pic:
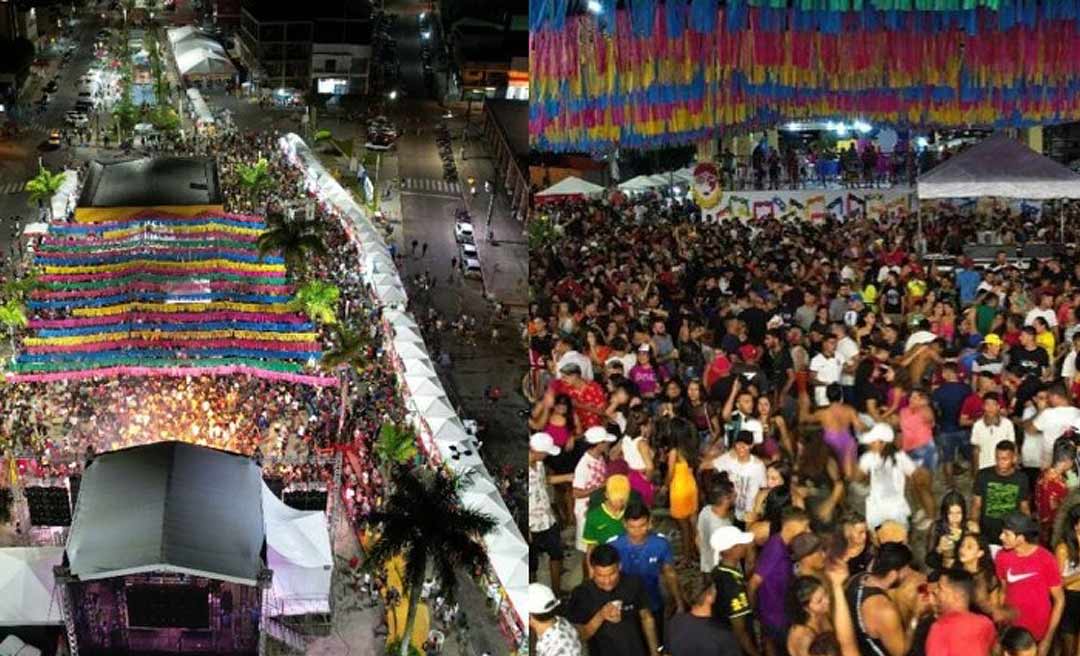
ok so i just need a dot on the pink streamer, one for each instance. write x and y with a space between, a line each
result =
97 255
189 288
171 317
108 275
95 347
173 372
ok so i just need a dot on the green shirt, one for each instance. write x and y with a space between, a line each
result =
601 526
984 318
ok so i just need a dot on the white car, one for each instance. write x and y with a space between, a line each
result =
463 232
470 268
78 119
468 252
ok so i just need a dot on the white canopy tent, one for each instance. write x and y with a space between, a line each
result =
26 577
999 166
570 186
298 551
640 183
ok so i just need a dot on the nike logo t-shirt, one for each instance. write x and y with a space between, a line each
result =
1028 580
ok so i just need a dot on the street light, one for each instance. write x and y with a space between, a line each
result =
393 95
426 35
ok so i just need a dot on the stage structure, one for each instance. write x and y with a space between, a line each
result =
157 563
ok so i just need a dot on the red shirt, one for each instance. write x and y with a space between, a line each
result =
972 408
1028 580
961 634
591 393
1049 493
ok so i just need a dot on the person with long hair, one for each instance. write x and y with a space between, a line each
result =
769 504
951 524
702 412
888 470
777 438
1052 487
817 479
553 415
682 487
645 374
973 556
809 608
1067 552
638 454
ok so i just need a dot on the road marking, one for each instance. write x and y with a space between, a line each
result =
12 187
428 186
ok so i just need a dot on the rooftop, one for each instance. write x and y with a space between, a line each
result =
152 181
512 117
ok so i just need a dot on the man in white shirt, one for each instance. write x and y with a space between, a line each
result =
990 429
1045 310
1056 415
570 356
1068 365
746 471
825 369
848 350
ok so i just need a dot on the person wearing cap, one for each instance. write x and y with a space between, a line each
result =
694 633
732 608
1032 579
590 475
888 469
611 610
554 634
989 358
544 530
999 491
588 396
879 631
605 521
808 554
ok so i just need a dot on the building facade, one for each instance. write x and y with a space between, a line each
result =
492 59
304 45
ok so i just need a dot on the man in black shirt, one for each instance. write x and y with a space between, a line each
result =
999 491
611 611
694 633
731 608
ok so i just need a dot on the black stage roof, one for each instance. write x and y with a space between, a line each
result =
169 507
151 181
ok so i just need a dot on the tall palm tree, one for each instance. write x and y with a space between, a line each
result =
318 299
351 350
424 521
297 241
44 186
395 446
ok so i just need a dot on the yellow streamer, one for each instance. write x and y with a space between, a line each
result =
109 310
94 338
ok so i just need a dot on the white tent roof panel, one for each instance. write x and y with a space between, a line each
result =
572 186
26 577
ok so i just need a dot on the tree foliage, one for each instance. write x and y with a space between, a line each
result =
297 241
318 300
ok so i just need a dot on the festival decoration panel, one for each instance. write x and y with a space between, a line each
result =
159 295
659 73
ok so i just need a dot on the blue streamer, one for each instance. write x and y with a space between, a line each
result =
129 326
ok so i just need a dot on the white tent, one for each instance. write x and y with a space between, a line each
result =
410 350
204 61
407 334
434 406
999 166
298 551
26 578
424 386
391 293
420 367
399 318
14 646
640 183
570 186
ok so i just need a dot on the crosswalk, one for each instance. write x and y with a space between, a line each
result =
427 185
12 187
35 125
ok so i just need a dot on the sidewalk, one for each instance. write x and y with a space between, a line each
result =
504 260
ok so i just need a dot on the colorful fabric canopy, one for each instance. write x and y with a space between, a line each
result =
676 72
158 295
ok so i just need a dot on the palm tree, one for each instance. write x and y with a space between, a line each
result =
424 521
318 300
297 241
395 446
255 178
351 350
43 187
13 315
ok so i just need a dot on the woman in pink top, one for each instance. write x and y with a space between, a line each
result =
917 439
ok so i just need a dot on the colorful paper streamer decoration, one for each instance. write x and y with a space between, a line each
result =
676 72
158 295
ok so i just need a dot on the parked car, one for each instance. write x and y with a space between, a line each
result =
463 232
468 251
77 119
54 138
470 268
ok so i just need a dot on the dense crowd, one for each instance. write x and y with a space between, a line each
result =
852 448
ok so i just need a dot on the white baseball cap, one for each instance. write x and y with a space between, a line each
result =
541 599
879 432
727 537
598 434
544 443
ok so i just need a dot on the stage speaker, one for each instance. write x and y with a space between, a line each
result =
49 506
306 500
168 606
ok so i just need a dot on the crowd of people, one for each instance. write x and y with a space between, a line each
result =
765 439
